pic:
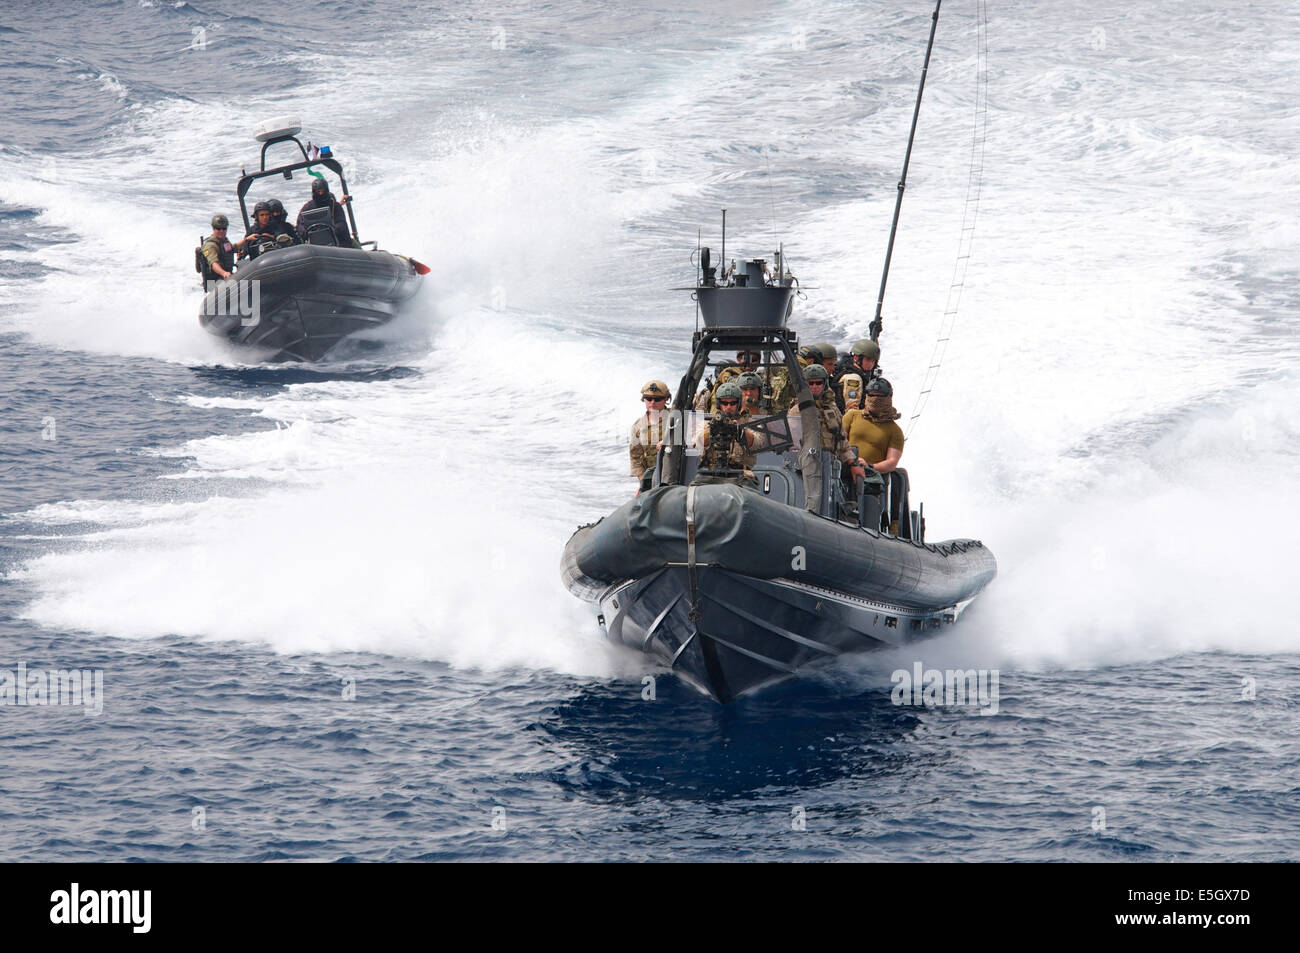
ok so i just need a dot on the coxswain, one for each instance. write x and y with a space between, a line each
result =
260 231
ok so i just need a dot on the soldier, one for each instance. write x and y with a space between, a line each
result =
832 430
259 231
647 430
873 429
880 443
860 367
218 250
727 448
784 395
751 391
808 354
780 392
280 227
830 354
321 197
707 401
748 360
866 357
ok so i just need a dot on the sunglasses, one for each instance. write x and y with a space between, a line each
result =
816 383
728 403
653 400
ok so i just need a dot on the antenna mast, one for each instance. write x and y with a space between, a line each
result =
902 181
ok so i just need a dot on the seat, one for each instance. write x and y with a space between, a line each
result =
317 225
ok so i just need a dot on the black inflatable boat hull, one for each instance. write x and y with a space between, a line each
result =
776 589
308 298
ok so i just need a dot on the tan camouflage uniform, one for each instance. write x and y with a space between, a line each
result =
706 402
643 443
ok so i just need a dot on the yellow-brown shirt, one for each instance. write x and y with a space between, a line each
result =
873 438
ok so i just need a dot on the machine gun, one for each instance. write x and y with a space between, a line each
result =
724 433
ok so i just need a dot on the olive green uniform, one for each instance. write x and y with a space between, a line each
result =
219 250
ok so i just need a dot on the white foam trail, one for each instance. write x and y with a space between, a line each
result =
438 570
1178 544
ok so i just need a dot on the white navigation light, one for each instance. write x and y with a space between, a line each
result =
275 128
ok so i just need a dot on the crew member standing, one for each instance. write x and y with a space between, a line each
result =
647 430
218 250
873 429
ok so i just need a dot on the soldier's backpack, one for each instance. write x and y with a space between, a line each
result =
851 387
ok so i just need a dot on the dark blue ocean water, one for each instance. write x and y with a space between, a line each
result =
325 603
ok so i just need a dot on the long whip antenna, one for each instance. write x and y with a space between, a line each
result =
902 180
974 185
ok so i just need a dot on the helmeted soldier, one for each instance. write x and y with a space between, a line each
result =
808 354
647 430
879 440
832 427
727 448
260 230
280 227
866 358
751 393
748 360
850 384
780 391
321 197
218 251
830 357
873 429
830 354
707 400
785 394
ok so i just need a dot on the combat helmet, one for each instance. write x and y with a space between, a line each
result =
866 348
829 352
728 391
220 221
276 208
749 379
879 387
809 354
261 207
815 372
654 389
